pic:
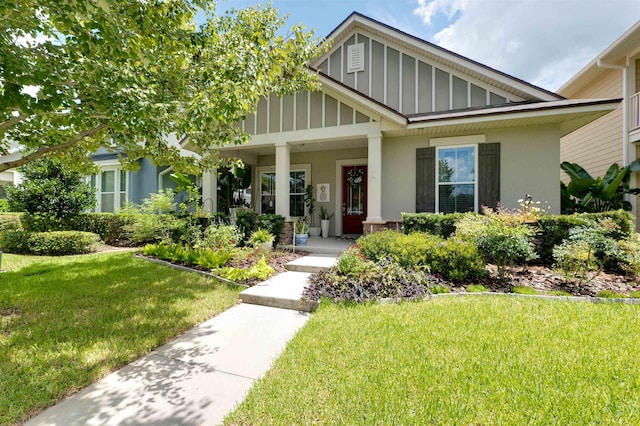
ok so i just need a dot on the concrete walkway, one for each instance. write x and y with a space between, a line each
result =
199 377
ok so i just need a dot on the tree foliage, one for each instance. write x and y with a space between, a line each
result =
592 195
127 75
52 193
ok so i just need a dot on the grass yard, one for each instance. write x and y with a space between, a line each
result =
464 360
66 322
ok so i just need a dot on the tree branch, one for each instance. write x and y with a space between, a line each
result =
47 149
12 122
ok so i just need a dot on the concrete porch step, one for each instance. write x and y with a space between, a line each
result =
282 291
312 263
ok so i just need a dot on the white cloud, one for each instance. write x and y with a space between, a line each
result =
544 42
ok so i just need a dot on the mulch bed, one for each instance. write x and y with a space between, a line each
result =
545 280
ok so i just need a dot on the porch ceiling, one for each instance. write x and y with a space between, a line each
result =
296 147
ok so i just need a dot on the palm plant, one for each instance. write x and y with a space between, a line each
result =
587 194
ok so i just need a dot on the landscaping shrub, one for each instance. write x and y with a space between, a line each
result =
154 220
588 248
378 245
506 243
440 224
554 229
15 241
455 259
246 222
274 223
110 226
10 222
52 192
353 262
631 255
176 252
259 237
387 279
54 243
221 237
4 205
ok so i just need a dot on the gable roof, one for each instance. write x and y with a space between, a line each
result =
440 55
628 44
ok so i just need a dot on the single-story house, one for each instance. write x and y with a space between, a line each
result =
615 137
402 125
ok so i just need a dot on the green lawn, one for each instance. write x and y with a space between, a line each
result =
467 360
65 322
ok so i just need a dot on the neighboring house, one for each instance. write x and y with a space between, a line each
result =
614 138
10 177
115 187
402 125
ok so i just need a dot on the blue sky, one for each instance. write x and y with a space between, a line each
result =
544 42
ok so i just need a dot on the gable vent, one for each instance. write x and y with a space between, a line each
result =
355 57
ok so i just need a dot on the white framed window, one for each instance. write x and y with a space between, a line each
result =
456 179
111 186
299 176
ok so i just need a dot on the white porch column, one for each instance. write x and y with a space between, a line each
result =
282 179
210 191
374 178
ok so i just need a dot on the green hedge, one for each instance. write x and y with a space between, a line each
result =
110 226
55 243
10 221
456 260
4 205
433 223
553 229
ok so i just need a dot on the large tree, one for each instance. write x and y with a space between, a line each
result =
125 75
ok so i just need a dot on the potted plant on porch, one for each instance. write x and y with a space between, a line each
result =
301 230
325 219
310 203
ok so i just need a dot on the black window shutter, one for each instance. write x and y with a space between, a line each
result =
488 174
426 180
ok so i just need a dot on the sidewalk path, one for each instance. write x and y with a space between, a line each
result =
195 379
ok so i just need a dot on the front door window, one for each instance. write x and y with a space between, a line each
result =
354 198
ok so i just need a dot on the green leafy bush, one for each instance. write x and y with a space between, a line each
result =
554 229
378 245
506 244
54 243
246 221
110 226
260 237
440 224
353 262
10 222
221 237
15 241
274 223
455 259
630 248
176 252
51 192
440 289
4 205
153 220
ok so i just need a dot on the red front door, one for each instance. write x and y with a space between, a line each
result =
354 198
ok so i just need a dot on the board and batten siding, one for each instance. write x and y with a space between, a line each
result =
406 83
598 144
301 111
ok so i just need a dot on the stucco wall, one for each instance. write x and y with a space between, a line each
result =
529 162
